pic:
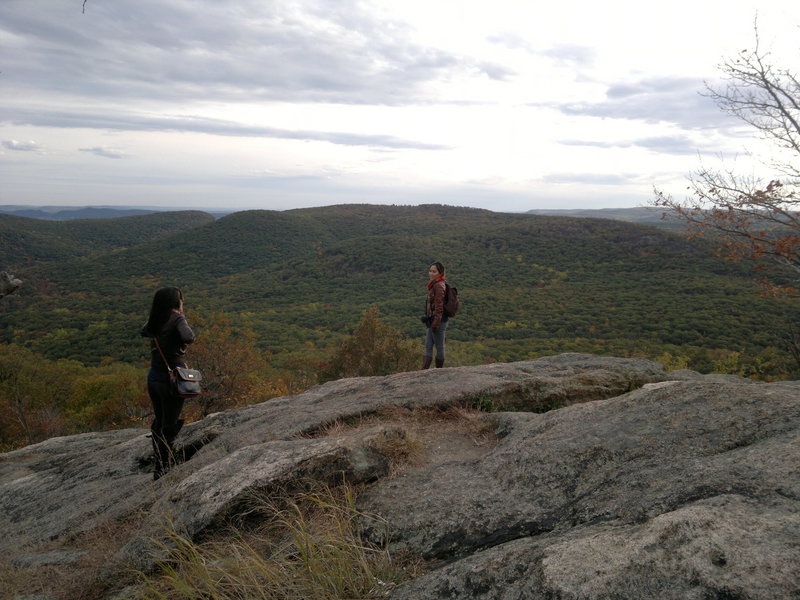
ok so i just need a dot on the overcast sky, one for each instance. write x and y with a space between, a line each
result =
508 105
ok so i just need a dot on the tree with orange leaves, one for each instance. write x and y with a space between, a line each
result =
748 217
229 361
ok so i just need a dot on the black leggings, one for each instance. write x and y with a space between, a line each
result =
166 422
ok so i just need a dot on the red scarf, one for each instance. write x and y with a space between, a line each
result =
432 283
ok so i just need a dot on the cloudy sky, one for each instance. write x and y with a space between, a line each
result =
508 105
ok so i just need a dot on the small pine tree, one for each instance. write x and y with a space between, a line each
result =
374 348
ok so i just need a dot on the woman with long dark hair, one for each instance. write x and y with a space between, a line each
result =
437 319
169 335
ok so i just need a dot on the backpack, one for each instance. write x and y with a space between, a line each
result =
451 303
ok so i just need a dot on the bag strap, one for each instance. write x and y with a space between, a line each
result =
161 352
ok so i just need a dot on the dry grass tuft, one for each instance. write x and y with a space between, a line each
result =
453 418
457 428
401 448
19 581
296 546
90 577
308 548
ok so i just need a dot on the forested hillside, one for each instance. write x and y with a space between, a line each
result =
26 240
644 215
297 282
530 284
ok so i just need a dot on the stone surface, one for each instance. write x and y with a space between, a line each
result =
8 284
64 486
690 490
67 485
236 484
43 559
643 484
722 547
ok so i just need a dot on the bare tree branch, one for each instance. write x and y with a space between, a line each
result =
748 217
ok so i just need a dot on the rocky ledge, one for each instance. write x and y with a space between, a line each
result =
605 478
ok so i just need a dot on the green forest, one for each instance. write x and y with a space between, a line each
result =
276 293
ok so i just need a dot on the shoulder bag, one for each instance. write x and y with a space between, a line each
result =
185 382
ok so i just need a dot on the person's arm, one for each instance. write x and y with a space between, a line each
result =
186 333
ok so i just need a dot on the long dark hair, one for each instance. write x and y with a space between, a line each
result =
165 300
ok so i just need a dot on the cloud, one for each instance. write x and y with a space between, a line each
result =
126 121
589 178
669 99
667 144
511 40
302 51
571 53
29 146
380 75
574 54
496 71
104 152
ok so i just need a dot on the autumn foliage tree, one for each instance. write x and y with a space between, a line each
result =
229 361
41 398
374 348
109 397
747 216
33 394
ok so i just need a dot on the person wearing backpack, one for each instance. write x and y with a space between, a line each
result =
435 316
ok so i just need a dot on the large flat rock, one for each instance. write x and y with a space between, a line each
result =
688 490
63 486
610 479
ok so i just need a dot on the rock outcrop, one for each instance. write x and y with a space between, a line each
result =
690 490
610 478
8 284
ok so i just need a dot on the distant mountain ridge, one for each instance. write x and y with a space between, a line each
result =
26 239
56 213
646 215
650 215
300 280
68 213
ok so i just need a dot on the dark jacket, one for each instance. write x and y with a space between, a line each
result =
434 306
173 338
